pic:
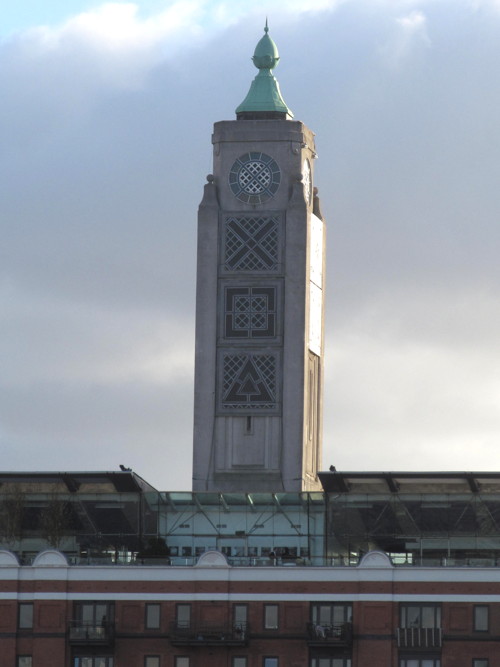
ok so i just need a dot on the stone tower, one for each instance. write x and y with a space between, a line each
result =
259 302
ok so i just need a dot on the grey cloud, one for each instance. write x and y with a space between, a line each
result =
100 178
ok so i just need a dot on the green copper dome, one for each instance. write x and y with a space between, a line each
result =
264 98
266 54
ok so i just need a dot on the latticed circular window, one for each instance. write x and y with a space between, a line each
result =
254 178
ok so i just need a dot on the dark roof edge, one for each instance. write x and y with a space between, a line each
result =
334 481
125 480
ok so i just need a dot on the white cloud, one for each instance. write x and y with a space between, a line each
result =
409 34
115 46
412 22
112 44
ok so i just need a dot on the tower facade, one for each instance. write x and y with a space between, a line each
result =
259 312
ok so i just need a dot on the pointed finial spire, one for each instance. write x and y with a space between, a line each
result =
264 98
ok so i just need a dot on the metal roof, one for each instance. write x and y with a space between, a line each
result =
410 482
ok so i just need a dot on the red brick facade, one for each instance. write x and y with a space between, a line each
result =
383 624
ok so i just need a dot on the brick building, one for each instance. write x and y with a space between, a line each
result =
390 570
215 615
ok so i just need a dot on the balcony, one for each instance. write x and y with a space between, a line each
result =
329 635
90 634
209 634
419 638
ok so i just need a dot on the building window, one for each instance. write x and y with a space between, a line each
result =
330 662
153 616
270 620
181 661
420 662
183 616
92 621
420 616
97 614
331 615
240 612
25 621
152 661
93 661
270 662
332 621
239 661
481 618
480 662
24 661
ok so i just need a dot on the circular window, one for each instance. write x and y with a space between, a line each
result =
254 178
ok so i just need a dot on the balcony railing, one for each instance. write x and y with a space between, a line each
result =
252 561
419 638
204 634
322 634
91 633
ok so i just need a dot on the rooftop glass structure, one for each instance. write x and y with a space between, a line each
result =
249 529
418 519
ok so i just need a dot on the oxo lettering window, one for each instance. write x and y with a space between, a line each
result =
420 662
420 616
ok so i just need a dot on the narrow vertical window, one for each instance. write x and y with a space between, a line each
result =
271 617
240 612
183 616
310 421
25 621
152 616
481 618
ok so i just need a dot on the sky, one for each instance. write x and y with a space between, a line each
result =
105 142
